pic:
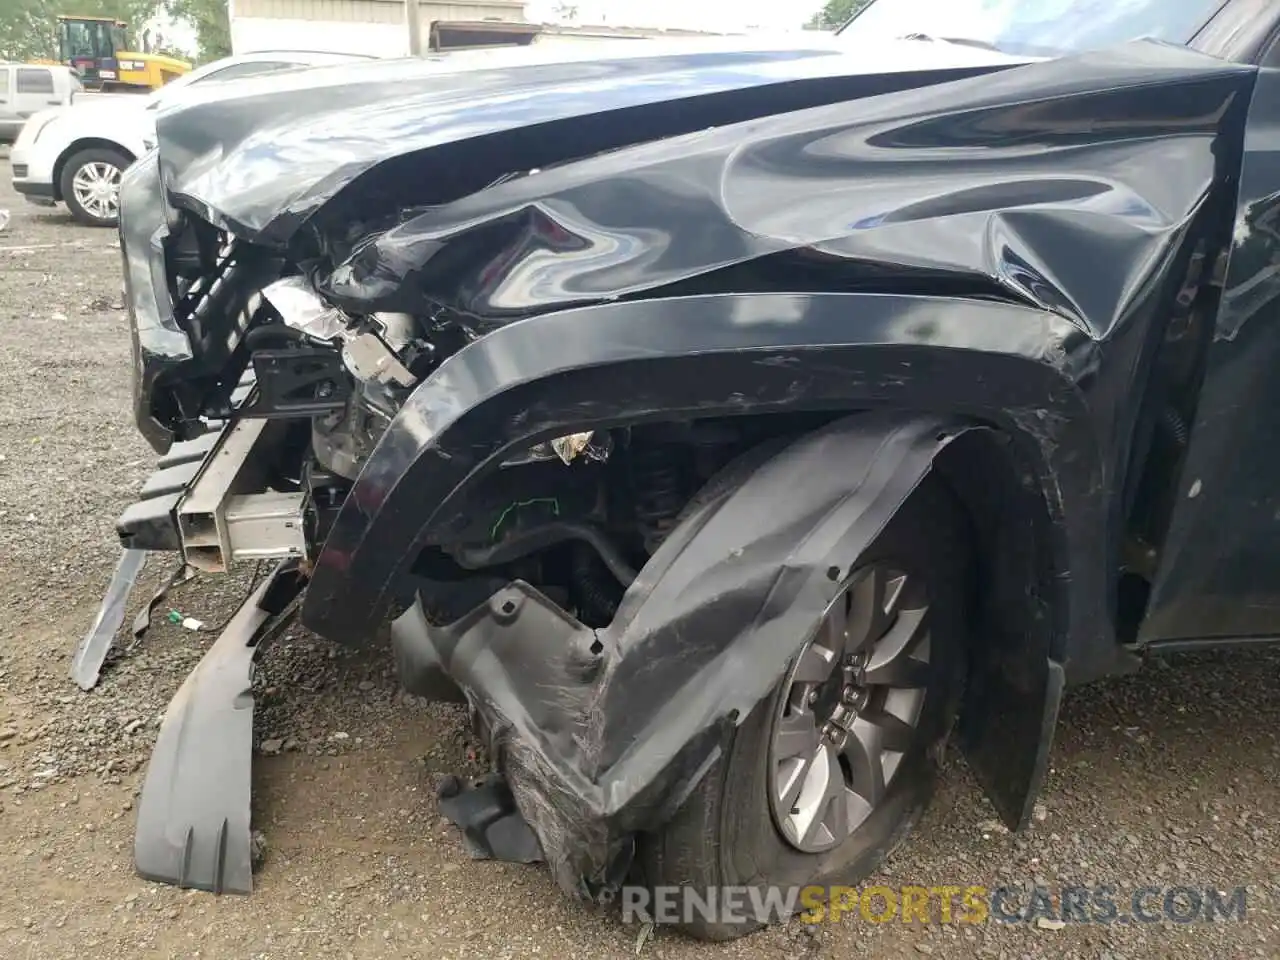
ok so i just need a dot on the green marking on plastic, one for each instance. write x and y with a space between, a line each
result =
555 508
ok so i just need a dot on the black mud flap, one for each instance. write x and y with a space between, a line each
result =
1006 731
193 816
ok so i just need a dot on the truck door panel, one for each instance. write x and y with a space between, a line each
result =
1219 572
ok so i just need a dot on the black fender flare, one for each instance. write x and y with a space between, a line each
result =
1012 366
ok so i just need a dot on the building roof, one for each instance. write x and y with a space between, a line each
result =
603 30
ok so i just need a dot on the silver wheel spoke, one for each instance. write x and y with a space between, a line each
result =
839 734
834 634
904 672
891 732
857 809
866 618
866 765
796 736
876 597
904 636
791 779
825 823
815 665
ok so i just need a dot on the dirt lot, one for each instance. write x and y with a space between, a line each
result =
1171 777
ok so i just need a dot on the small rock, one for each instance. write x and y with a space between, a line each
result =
1040 812
1044 923
365 685
339 735
271 747
924 948
133 726
7 733
257 850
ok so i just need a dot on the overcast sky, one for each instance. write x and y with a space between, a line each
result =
692 14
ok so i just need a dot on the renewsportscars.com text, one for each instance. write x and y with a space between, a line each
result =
973 904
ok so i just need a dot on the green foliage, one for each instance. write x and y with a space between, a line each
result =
212 25
28 28
836 13
27 31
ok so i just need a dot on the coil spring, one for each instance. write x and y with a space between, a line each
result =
658 474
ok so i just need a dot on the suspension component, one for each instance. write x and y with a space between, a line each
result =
659 482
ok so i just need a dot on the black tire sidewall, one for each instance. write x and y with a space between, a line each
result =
69 169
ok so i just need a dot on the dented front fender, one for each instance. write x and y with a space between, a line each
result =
733 354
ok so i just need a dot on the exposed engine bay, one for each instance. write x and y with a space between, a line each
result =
577 515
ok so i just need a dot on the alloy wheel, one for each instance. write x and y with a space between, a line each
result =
97 189
850 709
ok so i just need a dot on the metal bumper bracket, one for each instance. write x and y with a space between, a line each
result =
224 516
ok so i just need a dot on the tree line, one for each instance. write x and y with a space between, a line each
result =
28 28
836 13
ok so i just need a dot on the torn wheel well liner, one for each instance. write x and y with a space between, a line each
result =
603 732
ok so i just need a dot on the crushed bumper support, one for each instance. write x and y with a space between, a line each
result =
151 523
193 816
603 733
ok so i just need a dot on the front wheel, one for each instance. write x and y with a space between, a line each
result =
90 185
828 774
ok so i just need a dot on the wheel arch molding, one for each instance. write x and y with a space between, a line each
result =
1009 366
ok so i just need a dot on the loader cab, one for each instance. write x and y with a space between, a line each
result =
89 45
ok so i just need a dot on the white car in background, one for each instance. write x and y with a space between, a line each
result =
75 154
28 88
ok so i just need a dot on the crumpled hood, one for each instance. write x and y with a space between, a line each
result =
1061 184
261 155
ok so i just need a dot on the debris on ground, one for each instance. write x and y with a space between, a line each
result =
187 623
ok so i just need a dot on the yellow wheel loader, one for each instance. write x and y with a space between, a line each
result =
97 49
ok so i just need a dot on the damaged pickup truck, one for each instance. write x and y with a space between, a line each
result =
728 424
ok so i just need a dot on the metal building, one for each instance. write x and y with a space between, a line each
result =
374 27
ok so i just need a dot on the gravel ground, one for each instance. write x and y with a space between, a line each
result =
1169 777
